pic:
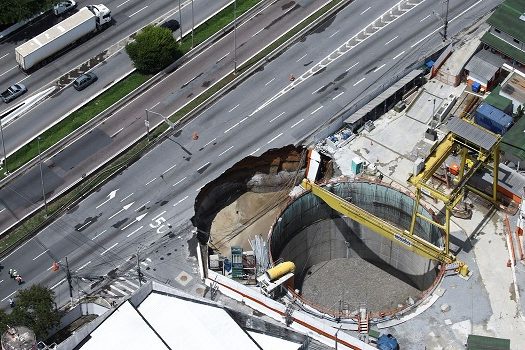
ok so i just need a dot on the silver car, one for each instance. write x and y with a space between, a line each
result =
13 92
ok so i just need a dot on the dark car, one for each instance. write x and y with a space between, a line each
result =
84 81
13 92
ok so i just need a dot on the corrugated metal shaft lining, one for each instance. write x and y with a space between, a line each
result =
472 133
383 96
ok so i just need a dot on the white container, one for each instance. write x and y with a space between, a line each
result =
56 38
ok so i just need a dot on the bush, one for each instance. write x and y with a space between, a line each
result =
154 49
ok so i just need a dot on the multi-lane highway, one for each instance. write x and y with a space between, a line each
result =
103 51
148 205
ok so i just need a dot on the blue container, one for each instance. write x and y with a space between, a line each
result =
387 342
493 119
227 265
476 86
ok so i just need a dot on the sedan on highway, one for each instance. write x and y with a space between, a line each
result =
84 81
13 92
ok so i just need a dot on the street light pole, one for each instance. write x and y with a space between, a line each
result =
146 122
41 173
180 22
235 37
3 146
192 23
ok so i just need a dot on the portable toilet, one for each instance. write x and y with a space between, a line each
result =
357 165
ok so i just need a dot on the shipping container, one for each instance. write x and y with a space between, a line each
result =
493 119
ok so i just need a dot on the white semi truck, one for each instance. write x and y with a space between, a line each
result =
87 20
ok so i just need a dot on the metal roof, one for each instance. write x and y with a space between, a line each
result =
507 18
472 133
484 64
383 96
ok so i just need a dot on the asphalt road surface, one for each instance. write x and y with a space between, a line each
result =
147 206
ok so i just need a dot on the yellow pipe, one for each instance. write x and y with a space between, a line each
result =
280 270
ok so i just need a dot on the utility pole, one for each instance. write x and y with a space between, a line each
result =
444 19
68 277
41 174
235 37
192 23
180 22
138 268
3 146
146 122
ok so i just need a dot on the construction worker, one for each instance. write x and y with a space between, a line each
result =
11 273
19 279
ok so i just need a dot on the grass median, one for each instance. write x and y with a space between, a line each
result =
40 219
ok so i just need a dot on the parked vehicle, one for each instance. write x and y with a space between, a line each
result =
13 92
86 21
64 6
84 81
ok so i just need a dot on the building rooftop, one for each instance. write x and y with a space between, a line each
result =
514 87
484 64
513 141
504 47
507 18
498 101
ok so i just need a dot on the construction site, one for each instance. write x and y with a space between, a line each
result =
374 232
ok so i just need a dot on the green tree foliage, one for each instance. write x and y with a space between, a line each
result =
519 112
35 308
13 11
154 48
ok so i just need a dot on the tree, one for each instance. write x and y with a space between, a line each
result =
519 112
13 11
35 308
154 48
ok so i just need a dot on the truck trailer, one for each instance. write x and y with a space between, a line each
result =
86 21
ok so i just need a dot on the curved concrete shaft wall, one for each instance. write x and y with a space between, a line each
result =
310 232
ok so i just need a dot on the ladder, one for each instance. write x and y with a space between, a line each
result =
363 323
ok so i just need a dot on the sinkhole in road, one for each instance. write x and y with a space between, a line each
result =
342 265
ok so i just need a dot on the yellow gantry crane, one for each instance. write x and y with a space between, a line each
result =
473 145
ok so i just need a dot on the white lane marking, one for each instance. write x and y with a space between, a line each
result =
317 110
155 105
118 290
366 10
210 142
257 32
10 69
203 166
257 150
359 81
303 56
352 66
389 41
277 116
128 225
299 122
21 80
124 286
143 205
4 56
275 138
150 181
242 120
378 68
126 207
439 28
110 196
226 131
122 3
119 130
269 82
134 13
56 285
2 210
98 235
399 54
336 96
107 250
158 216
39 255
225 151
123 199
137 230
424 18
231 110
317 90
86 264
223 57
200 188
171 167
81 227
183 199
178 182
335 33
1 281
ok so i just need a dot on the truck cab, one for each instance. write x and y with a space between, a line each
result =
102 13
